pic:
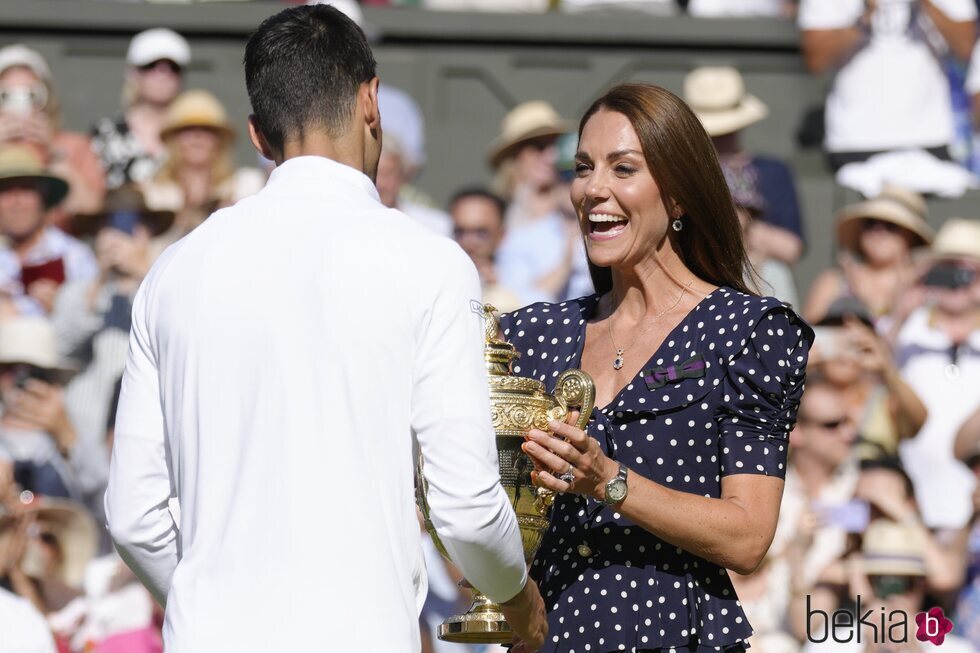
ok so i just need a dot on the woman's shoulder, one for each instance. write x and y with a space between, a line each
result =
732 319
549 315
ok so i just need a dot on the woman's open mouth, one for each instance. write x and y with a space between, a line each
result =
605 226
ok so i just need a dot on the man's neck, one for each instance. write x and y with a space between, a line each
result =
24 246
344 151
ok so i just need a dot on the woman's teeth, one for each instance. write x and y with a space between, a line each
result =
607 223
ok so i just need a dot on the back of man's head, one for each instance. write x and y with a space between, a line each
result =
303 69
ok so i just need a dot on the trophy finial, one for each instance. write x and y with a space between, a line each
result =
492 327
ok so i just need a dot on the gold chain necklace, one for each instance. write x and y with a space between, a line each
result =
620 351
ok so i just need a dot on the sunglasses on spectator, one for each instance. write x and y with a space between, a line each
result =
169 65
830 425
892 584
873 224
541 143
480 232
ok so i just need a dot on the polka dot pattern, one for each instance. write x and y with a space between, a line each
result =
627 589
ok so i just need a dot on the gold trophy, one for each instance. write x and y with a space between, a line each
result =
517 404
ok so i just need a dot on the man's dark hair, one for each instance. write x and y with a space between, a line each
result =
303 68
482 193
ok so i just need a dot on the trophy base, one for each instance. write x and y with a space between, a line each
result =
483 623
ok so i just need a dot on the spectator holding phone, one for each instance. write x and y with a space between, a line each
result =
92 318
30 116
938 352
36 257
35 430
856 359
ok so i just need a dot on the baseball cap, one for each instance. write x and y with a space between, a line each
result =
16 55
156 44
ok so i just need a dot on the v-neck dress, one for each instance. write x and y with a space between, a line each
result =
718 397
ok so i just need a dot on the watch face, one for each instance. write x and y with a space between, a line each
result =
616 491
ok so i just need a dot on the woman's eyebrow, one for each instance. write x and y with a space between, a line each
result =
620 153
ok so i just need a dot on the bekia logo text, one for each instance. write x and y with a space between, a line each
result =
877 625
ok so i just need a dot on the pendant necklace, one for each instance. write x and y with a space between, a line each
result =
620 351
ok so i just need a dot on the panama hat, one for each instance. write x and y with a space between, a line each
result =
127 199
718 97
31 340
70 525
21 164
891 548
523 123
197 108
957 238
897 205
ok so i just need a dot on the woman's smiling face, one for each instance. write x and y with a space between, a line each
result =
619 206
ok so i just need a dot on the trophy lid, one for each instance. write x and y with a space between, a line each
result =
497 353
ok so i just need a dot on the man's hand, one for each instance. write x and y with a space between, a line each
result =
526 616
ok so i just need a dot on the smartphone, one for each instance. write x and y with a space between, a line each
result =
948 275
830 341
53 270
124 221
850 516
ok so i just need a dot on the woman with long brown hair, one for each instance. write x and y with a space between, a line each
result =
678 475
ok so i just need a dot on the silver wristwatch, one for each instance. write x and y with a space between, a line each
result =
616 489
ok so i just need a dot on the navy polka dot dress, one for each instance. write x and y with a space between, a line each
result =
719 397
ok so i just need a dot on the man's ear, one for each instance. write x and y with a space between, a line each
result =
258 139
372 112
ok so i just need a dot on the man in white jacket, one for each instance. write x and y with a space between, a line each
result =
285 358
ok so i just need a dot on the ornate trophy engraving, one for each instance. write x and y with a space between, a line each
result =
516 404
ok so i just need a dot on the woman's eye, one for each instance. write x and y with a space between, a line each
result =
581 167
625 169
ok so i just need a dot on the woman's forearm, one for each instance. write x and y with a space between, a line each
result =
906 407
734 531
959 35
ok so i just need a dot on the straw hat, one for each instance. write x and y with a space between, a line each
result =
522 123
197 109
32 341
19 164
717 95
957 238
897 205
126 199
891 548
70 524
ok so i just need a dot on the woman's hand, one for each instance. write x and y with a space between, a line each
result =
570 449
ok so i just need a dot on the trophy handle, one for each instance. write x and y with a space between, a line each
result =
575 388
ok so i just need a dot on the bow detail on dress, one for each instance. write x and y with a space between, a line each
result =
658 377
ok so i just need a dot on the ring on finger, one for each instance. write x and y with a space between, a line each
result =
569 475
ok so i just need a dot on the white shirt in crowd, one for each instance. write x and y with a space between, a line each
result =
735 8
948 388
285 358
892 93
22 628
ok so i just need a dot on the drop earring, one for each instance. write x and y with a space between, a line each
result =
677 225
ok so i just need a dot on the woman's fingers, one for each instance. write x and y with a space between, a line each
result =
571 433
548 460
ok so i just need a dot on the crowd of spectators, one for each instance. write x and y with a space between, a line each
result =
881 498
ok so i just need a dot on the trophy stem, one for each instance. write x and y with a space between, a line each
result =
483 623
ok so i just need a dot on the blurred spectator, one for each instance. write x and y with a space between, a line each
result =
24 629
889 91
967 618
938 351
92 320
394 170
129 144
538 254
35 258
741 8
855 359
478 227
402 118
30 115
822 474
876 240
888 577
654 7
506 6
763 186
45 546
198 177
36 432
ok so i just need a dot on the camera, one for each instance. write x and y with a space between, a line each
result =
949 276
